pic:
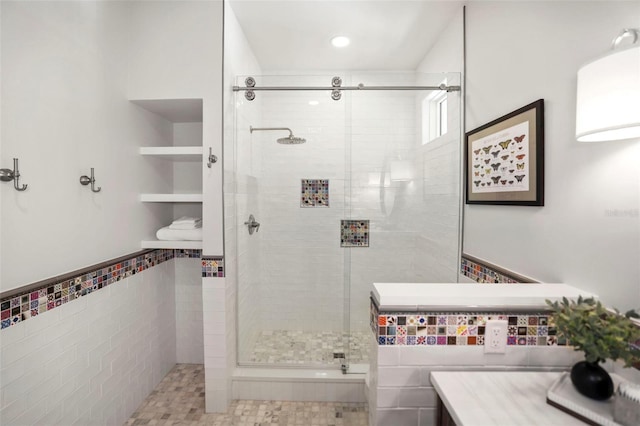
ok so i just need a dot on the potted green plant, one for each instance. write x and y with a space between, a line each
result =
601 334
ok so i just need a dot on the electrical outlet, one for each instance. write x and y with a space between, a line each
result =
495 337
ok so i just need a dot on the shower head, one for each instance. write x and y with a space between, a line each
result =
289 140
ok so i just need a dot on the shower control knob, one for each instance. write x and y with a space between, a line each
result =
252 225
250 95
250 82
336 82
336 95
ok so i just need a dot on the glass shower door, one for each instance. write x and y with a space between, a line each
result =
291 272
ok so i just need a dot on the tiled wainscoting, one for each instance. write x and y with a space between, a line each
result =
487 273
88 347
406 347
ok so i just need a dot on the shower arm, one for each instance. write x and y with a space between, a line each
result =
252 129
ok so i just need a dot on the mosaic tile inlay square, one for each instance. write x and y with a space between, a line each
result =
212 267
314 193
354 233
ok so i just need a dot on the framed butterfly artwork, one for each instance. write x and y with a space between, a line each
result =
513 148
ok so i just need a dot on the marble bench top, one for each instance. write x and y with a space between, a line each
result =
494 398
421 297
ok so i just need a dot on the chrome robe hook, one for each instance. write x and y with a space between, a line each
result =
7 175
86 180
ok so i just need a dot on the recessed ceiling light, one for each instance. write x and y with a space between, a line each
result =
313 103
340 41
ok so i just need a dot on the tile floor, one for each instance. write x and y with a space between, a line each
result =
179 400
305 347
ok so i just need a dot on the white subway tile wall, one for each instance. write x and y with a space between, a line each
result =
95 359
188 290
401 392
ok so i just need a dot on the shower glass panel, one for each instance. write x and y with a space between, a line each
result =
367 198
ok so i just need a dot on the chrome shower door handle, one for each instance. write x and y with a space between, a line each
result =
252 225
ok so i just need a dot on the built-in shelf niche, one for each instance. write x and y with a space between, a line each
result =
185 195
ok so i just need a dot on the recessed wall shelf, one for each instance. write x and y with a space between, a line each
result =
171 198
174 110
182 195
173 153
157 244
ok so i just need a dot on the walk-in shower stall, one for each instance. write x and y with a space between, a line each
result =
349 180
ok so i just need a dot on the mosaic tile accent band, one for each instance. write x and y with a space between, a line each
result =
461 328
489 274
212 267
354 233
36 301
314 193
188 253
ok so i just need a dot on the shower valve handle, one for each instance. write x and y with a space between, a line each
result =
252 225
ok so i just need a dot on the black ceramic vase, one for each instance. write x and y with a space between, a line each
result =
591 380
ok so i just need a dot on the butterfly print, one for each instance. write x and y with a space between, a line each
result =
476 166
519 147
495 154
505 144
488 183
477 151
482 184
504 157
487 171
521 156
510 182
487 161
496 179
495 166
511 170
520 166
519 138
486 149
477 173
504 182
519 177
477 182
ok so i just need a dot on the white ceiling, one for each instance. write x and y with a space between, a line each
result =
385 35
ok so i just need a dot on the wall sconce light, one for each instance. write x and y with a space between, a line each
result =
608 98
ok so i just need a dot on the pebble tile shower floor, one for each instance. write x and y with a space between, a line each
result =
179 400
305 347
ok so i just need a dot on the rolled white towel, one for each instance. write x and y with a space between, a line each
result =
186 219
186 222
167 234
185 225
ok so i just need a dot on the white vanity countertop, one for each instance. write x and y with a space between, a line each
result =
409 297
498 398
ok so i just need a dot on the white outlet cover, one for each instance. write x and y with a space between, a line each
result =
495 337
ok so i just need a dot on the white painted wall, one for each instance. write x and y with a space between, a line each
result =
65 110
91 361
522 51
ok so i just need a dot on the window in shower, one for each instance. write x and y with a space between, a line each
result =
434 115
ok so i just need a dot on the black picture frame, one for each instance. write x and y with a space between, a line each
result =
504 159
